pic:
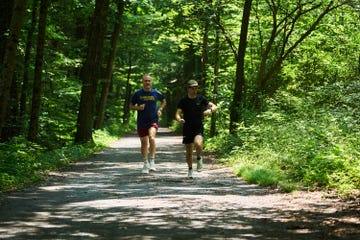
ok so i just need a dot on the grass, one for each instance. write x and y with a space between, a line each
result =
23 163
307 141
258 174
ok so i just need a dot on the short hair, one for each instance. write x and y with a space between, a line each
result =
147 75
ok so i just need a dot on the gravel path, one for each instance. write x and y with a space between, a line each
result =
107 197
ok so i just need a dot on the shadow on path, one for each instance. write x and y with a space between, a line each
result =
106 197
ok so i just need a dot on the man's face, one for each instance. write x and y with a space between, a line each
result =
193 89
147 82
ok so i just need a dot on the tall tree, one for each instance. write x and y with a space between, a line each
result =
238 101
36 95
110 64
10 59
128 89
281 43
5 20
216 67
27 57
91 73
205 44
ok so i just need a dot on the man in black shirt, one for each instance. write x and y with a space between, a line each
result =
190 112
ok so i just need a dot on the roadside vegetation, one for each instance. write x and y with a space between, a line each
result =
23 163
304 140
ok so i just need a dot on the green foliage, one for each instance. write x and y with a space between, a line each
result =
111 133
176 127
309 140
23 163
258 174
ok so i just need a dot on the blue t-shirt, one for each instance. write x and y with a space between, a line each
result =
149 114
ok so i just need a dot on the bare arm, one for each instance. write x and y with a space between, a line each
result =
178 116
211 108
162 106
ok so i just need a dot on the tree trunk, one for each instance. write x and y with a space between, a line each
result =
9 59
91 72
5 20
237 104
109 69
36 95
216 68
126 116
204 53
191 63
27 57
12 125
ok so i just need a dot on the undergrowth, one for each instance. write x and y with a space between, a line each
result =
303 140
23 163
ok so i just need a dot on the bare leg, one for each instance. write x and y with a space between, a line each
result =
152 135
189 158
198 142
144 147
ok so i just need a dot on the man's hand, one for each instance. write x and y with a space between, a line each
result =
207 112
141 107
181 121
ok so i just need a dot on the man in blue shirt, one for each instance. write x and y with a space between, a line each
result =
144 101
190 112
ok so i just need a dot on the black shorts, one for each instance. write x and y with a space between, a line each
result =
189 133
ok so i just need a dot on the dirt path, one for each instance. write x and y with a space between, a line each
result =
106 197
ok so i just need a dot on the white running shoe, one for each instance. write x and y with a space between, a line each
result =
145 168
152 166
199 166
190 173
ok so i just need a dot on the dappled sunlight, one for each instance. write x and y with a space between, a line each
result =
107 197
85 187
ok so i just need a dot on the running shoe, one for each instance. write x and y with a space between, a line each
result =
190 173
145 168
152 166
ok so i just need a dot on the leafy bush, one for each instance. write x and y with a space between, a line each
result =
308 140
23 163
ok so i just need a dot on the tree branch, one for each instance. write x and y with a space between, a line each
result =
228 39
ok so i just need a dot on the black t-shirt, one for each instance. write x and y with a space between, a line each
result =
193 109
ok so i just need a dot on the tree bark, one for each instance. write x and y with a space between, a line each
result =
5 20
238 101
109 69
36 95
126 116
216 68
27 56
204 51
10 58
91 72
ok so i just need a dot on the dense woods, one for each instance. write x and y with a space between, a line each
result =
285 75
